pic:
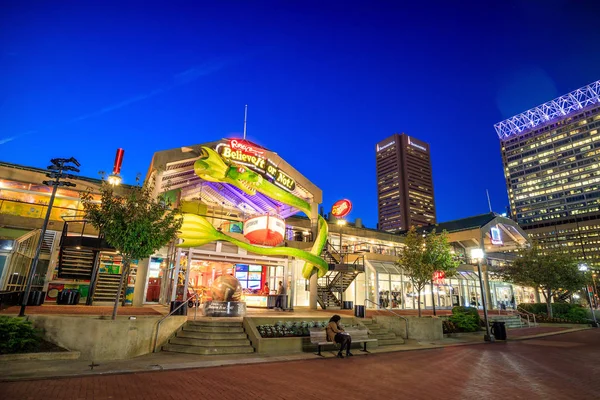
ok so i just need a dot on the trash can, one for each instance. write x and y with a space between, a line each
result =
181 310
36 298
359 311
347 305
68 297
499 330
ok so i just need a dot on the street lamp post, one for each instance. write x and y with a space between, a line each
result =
583 268
477 254
341 223
56 172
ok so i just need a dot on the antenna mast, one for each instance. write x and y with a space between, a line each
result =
245 120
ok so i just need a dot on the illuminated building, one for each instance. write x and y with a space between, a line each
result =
404 183
551 156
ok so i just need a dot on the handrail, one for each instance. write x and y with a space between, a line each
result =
396 314
528 314
183 303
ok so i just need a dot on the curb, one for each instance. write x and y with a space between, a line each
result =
540 335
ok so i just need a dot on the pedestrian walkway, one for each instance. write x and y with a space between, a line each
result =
16 370
546 368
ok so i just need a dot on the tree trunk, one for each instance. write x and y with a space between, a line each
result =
419 302
124 290
549 302
125 267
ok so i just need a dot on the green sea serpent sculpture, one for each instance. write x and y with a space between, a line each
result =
197 230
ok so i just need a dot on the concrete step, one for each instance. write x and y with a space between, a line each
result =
209 343
213 329
211 336
178 348
384 336
235 324
390 342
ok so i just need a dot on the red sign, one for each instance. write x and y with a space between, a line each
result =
341 208
244 146
118 161
438 276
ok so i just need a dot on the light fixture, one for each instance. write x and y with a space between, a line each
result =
477 254
114 180
341 222
583 267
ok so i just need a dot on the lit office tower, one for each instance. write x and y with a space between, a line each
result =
551 157
404 183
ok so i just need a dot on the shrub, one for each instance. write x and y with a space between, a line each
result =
17 335
449 327
471 311
465 322
563 312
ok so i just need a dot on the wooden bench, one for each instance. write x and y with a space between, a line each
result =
318 336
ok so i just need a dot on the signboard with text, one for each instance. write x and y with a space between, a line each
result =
242 152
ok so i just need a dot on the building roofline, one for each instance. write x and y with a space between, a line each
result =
549 111
45 171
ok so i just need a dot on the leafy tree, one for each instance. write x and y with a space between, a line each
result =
422 255
548 270
136 224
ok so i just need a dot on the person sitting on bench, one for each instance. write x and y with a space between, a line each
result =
336 334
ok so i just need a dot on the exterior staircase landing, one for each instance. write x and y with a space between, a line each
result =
210 338
384 336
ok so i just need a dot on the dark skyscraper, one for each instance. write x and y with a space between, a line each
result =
404 183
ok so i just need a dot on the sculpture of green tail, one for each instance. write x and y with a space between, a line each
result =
197 231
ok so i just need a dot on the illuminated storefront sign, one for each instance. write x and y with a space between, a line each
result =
245 153
496 238
418 146
341 208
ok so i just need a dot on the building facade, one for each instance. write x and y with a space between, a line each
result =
551 157
404 183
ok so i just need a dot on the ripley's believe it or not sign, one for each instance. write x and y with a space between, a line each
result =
242 152
229 168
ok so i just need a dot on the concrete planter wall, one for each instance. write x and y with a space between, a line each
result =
100 338
282 345
424 328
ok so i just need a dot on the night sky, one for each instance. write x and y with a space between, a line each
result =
324 83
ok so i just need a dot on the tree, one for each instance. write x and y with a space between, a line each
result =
548 270
422 255
136 224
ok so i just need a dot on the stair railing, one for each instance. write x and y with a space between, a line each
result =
523 311
183 303
395 313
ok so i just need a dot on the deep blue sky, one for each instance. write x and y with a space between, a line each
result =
324 83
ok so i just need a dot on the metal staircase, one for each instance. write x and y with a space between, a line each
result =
341 274
76 262
106 288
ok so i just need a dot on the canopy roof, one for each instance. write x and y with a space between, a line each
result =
174 169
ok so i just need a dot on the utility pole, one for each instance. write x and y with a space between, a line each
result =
59 165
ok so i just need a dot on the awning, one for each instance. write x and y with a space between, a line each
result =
385 267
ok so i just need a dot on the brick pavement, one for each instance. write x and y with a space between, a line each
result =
558 367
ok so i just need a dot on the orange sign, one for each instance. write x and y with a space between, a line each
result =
341 208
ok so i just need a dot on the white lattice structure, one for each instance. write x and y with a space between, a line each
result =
554 109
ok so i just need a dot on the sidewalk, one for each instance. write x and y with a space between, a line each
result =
25 370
